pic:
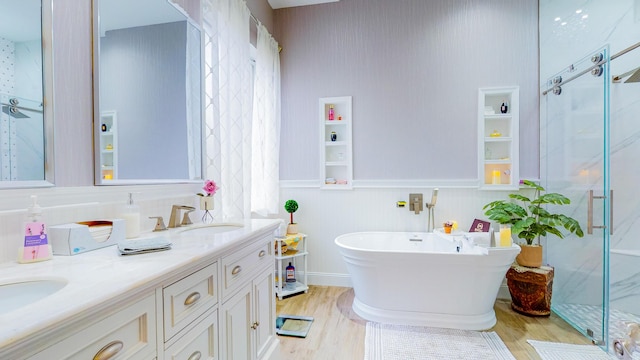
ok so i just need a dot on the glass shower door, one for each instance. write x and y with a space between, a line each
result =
575 162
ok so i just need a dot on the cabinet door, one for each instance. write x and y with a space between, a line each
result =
236 322
265 304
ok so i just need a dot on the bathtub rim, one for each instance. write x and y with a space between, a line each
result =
514 246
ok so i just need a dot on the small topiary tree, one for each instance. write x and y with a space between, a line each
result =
291 206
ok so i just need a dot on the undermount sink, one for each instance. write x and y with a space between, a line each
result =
18 293
206 229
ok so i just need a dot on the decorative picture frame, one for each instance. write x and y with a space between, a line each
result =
480 226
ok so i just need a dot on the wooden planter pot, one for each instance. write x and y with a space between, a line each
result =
292 228
530 256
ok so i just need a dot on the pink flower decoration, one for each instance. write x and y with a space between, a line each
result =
210 187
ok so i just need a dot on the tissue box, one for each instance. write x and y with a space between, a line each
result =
76 238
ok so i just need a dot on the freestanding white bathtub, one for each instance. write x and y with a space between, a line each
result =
420 278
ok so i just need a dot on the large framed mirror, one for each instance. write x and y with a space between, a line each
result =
147 93
26 89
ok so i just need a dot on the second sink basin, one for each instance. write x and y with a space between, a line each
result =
205 229
18 293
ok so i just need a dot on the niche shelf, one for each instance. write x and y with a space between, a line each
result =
336 165
498 138
108 145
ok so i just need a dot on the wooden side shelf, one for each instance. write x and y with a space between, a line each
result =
530 289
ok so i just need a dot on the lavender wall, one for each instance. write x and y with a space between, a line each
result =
263 12
413 68
72 98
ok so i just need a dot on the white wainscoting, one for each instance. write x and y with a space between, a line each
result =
325 214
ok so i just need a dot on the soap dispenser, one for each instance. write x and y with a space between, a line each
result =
36 245
131 215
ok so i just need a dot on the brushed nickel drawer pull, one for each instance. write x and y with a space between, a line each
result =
109 351
195 356
192 298
236 270
262 253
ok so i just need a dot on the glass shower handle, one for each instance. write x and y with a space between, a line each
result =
590 225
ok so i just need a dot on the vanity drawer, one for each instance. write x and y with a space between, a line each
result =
127 334
188 298
200 342
237 266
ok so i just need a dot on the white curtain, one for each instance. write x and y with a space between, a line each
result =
228 106
265 153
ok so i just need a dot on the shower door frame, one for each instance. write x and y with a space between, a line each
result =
583 192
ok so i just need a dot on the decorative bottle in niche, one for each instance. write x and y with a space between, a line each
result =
504 107
334 136
332 114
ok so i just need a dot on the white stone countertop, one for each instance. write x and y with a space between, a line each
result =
101 278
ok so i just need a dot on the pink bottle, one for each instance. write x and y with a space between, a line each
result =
331 113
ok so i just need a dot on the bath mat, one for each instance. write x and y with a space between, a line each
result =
402 342
293 325
560 351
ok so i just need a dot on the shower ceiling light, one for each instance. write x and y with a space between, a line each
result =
557 19
578 11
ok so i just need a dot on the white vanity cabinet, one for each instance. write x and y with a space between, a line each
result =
216 305
247 322
127 333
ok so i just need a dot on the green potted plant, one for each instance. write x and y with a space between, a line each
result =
530 220
291 206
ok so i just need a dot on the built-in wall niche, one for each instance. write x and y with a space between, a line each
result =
498 138
148 71
336 164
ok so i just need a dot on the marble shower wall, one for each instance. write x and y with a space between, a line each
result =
563 42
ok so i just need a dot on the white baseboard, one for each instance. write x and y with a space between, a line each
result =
329 279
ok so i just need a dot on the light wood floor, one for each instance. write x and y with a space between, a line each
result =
338 333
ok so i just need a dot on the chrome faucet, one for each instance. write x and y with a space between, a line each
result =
174 219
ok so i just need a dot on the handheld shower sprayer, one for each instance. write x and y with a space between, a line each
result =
434 197
430 206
